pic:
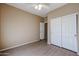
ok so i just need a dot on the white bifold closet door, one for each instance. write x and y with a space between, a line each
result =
63 32
56 31
69 34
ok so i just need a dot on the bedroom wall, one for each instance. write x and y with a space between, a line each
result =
0 26
18 27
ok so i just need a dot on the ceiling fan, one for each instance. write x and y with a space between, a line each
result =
39 6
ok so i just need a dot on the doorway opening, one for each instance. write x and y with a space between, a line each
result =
43 29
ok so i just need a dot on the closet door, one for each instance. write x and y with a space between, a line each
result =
56 31
69 38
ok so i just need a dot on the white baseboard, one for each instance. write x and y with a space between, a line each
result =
18 45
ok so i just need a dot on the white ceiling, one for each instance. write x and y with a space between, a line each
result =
29 8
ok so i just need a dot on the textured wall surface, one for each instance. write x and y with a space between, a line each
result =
18 27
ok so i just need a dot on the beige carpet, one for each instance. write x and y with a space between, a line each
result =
40 48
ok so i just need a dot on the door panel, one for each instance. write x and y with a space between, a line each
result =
41 30
56 31
69 39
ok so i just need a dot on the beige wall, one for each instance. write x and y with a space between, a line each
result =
18 27
0 27
64 10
